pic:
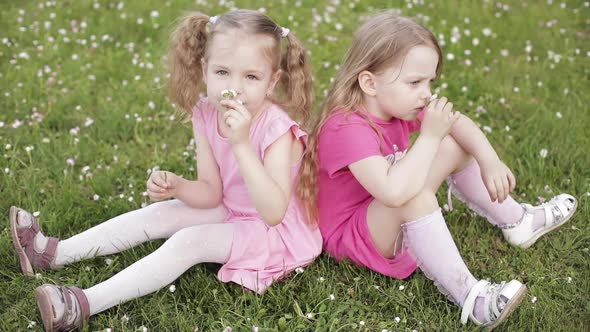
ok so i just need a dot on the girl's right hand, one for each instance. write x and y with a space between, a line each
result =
438 118
162 185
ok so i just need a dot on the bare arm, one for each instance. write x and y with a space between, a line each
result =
497 177
395 185
206 192
473 140
268 182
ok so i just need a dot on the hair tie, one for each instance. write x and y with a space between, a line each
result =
284 32
213 19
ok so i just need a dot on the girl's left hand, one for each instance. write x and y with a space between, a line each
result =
238 119
498 179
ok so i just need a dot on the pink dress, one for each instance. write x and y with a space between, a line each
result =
260 254
343 201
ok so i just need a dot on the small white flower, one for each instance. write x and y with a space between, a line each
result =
309 316
154 13
125 318
95 197
7 170
397 319
228 329
569 280
299 270
254 328
559 115
332 297
402 287
450 56
38 275
321 279
543 153
31 324
172 288
108 261
36 214
151 105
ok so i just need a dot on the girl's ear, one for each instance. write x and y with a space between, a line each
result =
204 69
273 81
367 83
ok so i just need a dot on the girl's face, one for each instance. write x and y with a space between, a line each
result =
403 89
237 62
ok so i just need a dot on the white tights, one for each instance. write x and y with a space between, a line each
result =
194 236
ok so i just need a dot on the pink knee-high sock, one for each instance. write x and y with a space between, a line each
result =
430 243
468 186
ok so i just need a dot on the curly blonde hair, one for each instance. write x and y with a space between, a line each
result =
193 34
382 41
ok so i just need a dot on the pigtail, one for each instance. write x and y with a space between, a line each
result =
187 48
296 80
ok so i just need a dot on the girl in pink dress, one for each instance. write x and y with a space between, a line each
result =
241 212
377 195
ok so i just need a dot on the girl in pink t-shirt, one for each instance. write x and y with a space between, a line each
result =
376 198
241 212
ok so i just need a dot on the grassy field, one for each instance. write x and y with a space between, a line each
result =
84 116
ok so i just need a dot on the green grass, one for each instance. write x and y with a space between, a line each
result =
519 94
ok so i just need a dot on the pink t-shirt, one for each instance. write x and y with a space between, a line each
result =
260 254
344 139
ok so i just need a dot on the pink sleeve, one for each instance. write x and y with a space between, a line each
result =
277 128
416 124
342 145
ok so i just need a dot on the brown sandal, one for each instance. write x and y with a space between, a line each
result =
75 314
23 240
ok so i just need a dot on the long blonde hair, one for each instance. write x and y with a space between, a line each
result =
193 34
383 40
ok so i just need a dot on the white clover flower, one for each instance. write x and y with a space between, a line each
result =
36 214
362 323
108 261
172 288
559 115
397 319
299 270
332 297
309 315
534 300
402 287
543 153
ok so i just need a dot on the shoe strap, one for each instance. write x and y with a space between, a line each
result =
27 235
43 259
469 303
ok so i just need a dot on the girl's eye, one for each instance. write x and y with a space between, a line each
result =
221 72
414 82
252 77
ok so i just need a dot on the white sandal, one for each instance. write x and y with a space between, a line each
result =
557 212
500 301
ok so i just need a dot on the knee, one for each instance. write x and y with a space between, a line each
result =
450 147
423 203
